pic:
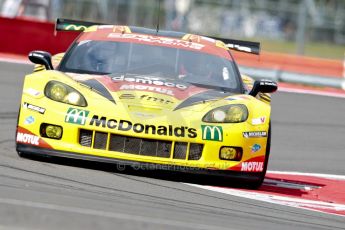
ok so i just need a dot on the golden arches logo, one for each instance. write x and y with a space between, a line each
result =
192 38
75 27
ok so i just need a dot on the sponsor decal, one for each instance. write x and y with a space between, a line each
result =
240 48
32 92
76 116
36 55
258 121
155 99
75 27
34 108
268 82
149 88
212 133
172 91
252 166
127 96
158 40
144 115
24 136
248 165
256 148
124 125
27 138
255 134
29 120
148 81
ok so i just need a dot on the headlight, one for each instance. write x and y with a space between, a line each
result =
227 114
61 92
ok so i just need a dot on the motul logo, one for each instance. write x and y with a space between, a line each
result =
252 166
27 138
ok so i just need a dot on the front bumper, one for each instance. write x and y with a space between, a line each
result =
42 152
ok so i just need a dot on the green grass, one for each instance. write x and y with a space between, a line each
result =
323 50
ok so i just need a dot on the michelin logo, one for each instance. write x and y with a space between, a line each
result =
34 108
255 134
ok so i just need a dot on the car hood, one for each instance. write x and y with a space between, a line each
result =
147 92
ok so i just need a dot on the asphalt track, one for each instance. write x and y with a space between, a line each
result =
308 136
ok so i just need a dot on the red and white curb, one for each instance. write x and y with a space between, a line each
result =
317 192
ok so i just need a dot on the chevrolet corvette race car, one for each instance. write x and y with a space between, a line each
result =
148 98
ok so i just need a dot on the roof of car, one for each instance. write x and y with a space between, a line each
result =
152 37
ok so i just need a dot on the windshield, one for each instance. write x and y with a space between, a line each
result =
166 63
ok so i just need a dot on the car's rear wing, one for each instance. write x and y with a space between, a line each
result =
241 46
238 45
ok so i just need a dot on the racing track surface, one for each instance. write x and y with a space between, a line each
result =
308 136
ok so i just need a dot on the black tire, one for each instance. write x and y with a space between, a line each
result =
258 183
22 154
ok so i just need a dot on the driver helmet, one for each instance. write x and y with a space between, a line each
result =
101 55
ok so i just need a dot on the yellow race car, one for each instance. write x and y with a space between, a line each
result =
150 99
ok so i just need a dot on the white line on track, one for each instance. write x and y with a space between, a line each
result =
115 215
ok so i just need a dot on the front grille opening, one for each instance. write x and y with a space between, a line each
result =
100 140
139 146
85 138
117 143
180 150
195 151
164 149
132 145
148 147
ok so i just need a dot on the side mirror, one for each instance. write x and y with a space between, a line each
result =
263 86
41 58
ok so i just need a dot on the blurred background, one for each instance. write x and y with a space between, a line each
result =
303 27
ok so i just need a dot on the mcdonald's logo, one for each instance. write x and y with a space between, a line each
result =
75 27
76 116
212 133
